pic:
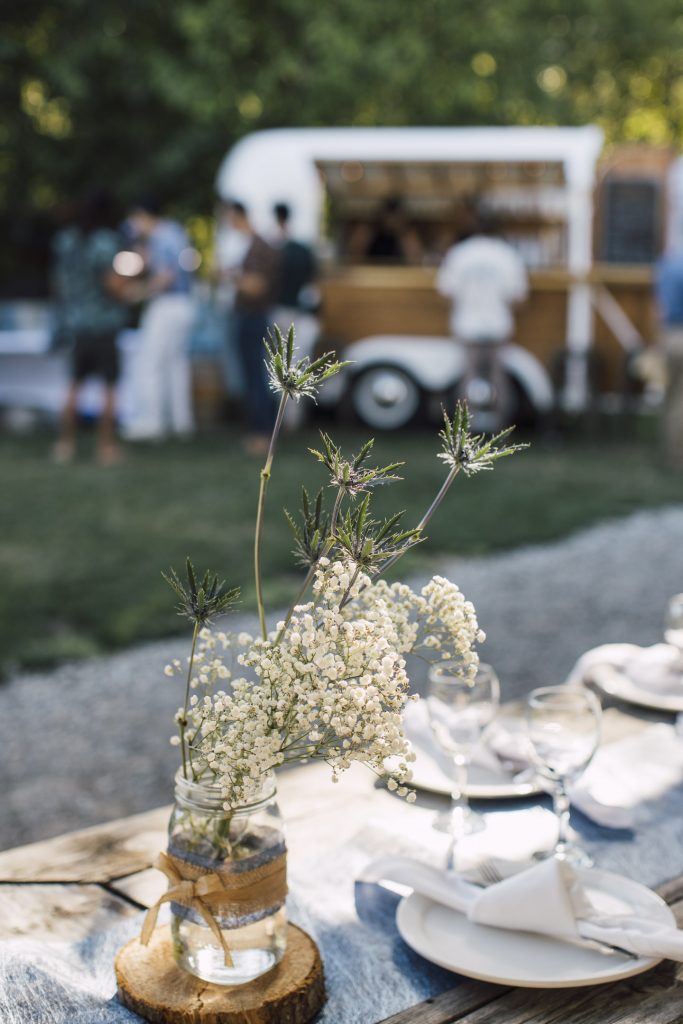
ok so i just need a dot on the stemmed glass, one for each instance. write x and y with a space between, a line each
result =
673 625
563 726
460 706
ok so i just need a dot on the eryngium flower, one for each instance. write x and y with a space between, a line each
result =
200 601
295 378
351 475
471 452
368 543
310 538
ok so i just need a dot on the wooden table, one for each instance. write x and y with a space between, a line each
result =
66 887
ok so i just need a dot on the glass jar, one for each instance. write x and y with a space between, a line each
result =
245 849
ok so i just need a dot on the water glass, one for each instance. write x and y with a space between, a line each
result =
564 731
460 706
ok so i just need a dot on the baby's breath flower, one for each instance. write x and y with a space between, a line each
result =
333 688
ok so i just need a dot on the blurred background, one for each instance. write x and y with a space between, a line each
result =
173 180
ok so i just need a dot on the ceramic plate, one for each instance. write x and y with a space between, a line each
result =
522 959
616 683
431 769
484 783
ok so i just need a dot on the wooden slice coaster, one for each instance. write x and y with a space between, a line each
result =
152 985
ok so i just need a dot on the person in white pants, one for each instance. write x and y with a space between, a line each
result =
162 368
162 381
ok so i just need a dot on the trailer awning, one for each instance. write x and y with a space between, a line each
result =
372 179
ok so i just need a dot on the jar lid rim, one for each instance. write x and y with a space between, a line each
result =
212 792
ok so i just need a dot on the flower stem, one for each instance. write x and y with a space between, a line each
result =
265 478
182 724
443 490
346 598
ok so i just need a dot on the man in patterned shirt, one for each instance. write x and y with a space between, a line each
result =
91 313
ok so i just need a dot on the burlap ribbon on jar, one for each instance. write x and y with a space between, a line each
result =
221 892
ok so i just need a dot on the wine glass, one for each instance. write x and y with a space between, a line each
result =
673 625
563 726
460 706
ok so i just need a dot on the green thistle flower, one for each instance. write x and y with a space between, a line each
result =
296 378
351 475
370 543
468 452
200 602
310 538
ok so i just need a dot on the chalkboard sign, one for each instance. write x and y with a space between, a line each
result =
630 221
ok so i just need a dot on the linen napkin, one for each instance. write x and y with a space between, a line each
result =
550 898
656 668
625 779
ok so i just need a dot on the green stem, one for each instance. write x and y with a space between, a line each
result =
265 478
345 599
182 724
445 487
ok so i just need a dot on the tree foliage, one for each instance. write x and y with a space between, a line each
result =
143 94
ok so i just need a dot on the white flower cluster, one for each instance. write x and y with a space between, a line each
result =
438 623
330 686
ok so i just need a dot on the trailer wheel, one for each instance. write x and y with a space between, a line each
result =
385 397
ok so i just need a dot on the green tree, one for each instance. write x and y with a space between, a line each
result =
141 94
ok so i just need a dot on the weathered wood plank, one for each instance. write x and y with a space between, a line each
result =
92 855
144 887
64 912
655 997
672 893
449 1006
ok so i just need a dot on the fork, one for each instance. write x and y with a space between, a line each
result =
489 872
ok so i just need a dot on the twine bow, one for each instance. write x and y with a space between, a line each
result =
187 893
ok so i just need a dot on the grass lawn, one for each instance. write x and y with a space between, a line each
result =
81 548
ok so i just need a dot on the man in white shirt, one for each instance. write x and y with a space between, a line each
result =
485 278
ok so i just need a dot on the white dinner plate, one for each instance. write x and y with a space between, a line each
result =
432 768
483 783
523 959
616 683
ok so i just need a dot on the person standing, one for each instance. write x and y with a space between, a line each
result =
296 295
89 296
669 282
484 278
162 374
254 282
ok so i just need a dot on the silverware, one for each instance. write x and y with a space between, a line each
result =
489 872
606 948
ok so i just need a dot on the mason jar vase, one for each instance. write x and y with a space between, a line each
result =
241 846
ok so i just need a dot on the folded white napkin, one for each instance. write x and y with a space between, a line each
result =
626 778
549 899
656 668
